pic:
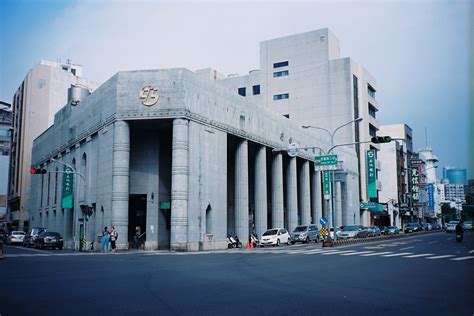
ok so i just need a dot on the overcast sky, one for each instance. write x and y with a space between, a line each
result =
418 51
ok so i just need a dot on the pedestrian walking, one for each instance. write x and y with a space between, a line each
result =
105 239
113 239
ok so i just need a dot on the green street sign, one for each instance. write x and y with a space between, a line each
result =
165 205
371 174
325 162
372 206
327 184
67 192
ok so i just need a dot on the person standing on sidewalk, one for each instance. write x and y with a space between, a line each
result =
105 239
113 239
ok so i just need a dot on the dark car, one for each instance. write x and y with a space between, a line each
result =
3 236
412 227
435 226
49 239
384 230
29 239
363 232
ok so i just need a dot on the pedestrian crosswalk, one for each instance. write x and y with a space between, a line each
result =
280 251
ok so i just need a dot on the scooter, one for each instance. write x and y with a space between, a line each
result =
233 242
459 237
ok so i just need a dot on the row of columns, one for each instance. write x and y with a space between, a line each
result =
179 191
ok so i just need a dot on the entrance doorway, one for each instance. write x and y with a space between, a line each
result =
136 216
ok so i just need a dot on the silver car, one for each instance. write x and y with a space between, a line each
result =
305 233
451 226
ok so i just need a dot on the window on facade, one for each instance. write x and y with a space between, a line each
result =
256 90
280 64
372 110
281 96
286 115
242 91
56 187
49 187
372 130
281 73
73 71
370 90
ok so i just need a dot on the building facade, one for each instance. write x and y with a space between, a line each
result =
303 77
395 158
5 131
41 94
171 152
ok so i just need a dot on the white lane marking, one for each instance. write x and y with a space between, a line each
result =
407 248
432 242
398 254
376 254
314 251
440 257
420 255
462 258
337 252
293 252
356 253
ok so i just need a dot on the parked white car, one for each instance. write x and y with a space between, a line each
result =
275 237
16 237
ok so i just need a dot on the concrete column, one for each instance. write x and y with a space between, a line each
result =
277 191
338 204
292 194
179 185
120 181
242 192
317 211
305 194
261 191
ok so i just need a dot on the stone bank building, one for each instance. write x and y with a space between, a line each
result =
183 158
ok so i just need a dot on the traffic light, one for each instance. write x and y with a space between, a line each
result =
381 139
38 171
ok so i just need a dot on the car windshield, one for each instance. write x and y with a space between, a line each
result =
300 229
18 233
270 232
453 222
350 228
53 234
412 224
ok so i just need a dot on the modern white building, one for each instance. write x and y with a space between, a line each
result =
188 162
303 77
395 172
41 94
434 198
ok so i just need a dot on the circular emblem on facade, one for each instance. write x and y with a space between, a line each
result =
149 95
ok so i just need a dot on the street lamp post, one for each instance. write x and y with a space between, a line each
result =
75 199
332 174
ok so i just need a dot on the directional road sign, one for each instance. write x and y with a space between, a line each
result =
325 162
323 221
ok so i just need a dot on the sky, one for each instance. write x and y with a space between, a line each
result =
418 51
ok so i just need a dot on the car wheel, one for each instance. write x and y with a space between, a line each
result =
278 242
289 241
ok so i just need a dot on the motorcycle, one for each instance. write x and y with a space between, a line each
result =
233 242
459 237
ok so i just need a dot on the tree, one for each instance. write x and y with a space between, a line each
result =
448 213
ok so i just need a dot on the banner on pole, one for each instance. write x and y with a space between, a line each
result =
67 192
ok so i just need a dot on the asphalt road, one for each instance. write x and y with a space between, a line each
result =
415 275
